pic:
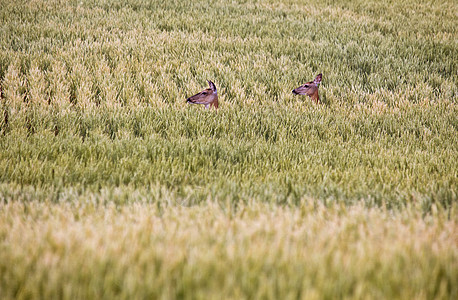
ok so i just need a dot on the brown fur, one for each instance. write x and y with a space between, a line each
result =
208 97
310 89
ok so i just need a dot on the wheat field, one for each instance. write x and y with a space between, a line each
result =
112 186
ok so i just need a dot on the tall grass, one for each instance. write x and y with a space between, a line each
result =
118 53
99 153
82 250
276 154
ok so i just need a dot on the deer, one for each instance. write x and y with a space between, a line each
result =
310 89
208 97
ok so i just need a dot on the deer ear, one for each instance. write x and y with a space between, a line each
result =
212 86
318 78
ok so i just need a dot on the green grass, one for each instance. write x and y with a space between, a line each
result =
353 198
278 154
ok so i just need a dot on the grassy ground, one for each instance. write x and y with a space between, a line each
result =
309 251
271 197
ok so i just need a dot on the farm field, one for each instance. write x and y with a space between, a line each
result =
112 186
